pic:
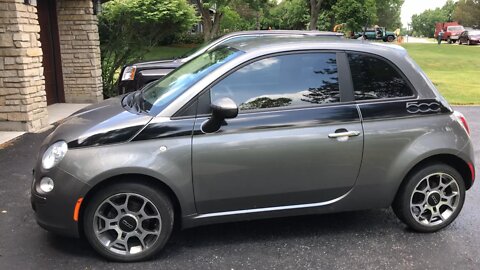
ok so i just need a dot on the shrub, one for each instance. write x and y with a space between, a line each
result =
129 28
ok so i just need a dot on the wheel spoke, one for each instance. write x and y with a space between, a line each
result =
439 201
127 231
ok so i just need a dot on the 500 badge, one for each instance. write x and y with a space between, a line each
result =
423 107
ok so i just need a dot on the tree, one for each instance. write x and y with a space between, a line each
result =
388 13
467 12
213 11
315 6
289 14
424 23
449 9
129 28
211 25
355 13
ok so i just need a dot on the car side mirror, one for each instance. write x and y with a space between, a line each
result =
223 108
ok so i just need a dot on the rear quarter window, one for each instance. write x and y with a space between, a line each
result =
376 78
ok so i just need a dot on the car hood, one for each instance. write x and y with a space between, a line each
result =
170 64
107 122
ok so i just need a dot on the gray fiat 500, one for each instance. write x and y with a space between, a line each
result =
264 128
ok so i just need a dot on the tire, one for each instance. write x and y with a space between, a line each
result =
460 42
436 213
142 212
390 38
449 40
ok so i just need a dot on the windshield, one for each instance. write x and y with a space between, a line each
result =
455 28
159 94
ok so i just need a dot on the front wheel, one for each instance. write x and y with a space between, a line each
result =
390 38
128 221
431 198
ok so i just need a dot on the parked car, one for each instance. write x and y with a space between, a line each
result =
452 31
470 37
137 75
264 128
378 33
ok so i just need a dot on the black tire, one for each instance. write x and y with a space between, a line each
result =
401 204
390 38
158 198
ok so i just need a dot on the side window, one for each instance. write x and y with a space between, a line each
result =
375 78
282 81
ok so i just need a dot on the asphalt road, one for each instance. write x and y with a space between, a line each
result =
372 239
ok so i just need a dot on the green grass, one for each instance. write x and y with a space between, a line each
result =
168 52
455 70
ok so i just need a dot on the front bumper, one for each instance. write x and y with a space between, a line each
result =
54 210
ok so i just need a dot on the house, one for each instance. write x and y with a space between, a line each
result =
49 53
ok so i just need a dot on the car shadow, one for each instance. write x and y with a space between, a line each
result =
228 235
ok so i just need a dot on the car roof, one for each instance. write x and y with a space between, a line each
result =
278 43
286 32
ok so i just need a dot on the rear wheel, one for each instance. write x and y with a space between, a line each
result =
128 221
431 198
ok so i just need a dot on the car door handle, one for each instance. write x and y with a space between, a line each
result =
343 134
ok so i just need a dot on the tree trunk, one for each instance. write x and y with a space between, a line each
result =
207 28
216 24
314 12
210 29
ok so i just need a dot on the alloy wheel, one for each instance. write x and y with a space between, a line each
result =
435 199
127 223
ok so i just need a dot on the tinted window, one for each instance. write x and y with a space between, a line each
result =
280 81
374 78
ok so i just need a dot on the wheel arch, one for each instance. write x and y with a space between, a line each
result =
145 179
450 159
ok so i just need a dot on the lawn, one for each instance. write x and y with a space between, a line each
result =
453 69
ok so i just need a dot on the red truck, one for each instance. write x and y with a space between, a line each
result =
452 31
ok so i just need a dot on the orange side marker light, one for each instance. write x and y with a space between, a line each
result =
77 209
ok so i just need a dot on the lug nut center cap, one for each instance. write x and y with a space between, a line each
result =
434 199
128 223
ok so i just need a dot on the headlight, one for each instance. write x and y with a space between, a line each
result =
129 73
54 154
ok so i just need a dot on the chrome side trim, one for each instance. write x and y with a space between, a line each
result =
271 209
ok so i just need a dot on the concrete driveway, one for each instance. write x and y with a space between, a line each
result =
372 239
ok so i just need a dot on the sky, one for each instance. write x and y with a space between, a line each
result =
411 7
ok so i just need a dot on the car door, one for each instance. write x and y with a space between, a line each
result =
295 143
